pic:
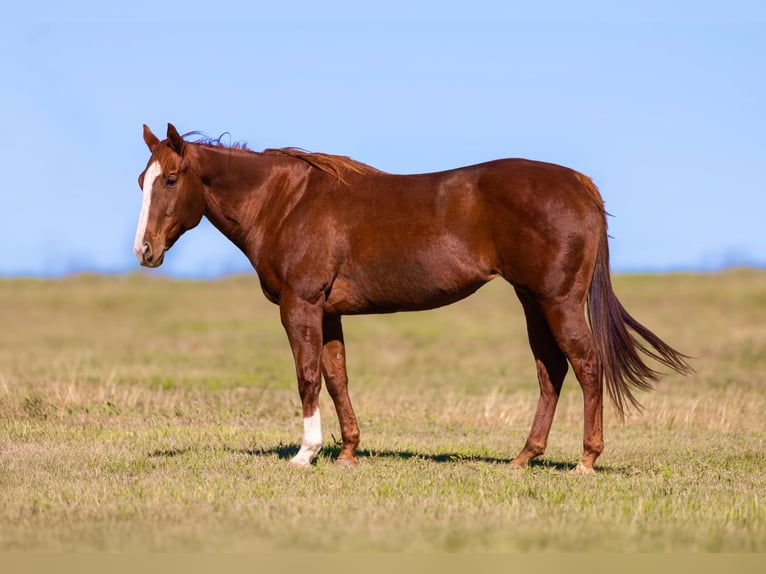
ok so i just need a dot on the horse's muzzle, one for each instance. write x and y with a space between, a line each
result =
149 257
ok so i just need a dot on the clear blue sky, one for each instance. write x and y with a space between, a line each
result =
663 104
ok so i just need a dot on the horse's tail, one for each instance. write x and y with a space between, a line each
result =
619 351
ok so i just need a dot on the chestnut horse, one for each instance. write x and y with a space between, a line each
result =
329 236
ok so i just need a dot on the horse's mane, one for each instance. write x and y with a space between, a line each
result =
336 165
202 139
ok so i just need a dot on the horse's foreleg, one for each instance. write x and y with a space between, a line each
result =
303 324
336 378
551 370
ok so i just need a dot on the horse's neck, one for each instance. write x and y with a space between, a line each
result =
240 193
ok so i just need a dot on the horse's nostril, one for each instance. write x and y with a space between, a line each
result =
146 251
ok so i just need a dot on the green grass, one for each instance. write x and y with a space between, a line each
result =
141 413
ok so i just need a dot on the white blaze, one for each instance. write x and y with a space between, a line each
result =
312 440
151 174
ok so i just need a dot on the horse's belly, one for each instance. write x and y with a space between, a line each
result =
409 285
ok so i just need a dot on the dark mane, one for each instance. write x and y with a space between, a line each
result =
335 165
203 139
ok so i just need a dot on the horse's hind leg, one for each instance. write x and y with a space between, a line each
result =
336 379
567 321
551 369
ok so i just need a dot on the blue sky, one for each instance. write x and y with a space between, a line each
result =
663 104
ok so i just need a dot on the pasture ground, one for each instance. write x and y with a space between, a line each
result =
139 413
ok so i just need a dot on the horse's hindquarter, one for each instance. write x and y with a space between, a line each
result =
547 222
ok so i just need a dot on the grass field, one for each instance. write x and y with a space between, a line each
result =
139 413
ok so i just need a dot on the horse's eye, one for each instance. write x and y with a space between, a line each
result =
171 180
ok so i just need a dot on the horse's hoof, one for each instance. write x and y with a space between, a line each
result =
582 470
299 463
346 463
518 466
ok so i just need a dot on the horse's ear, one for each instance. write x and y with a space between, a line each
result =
176 142
150 139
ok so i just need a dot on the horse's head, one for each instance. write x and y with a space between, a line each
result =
173 200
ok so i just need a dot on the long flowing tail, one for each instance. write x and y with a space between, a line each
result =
619 350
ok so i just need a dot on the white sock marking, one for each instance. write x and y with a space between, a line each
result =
151 174
312 440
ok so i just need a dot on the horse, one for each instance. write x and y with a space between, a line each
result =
329 236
